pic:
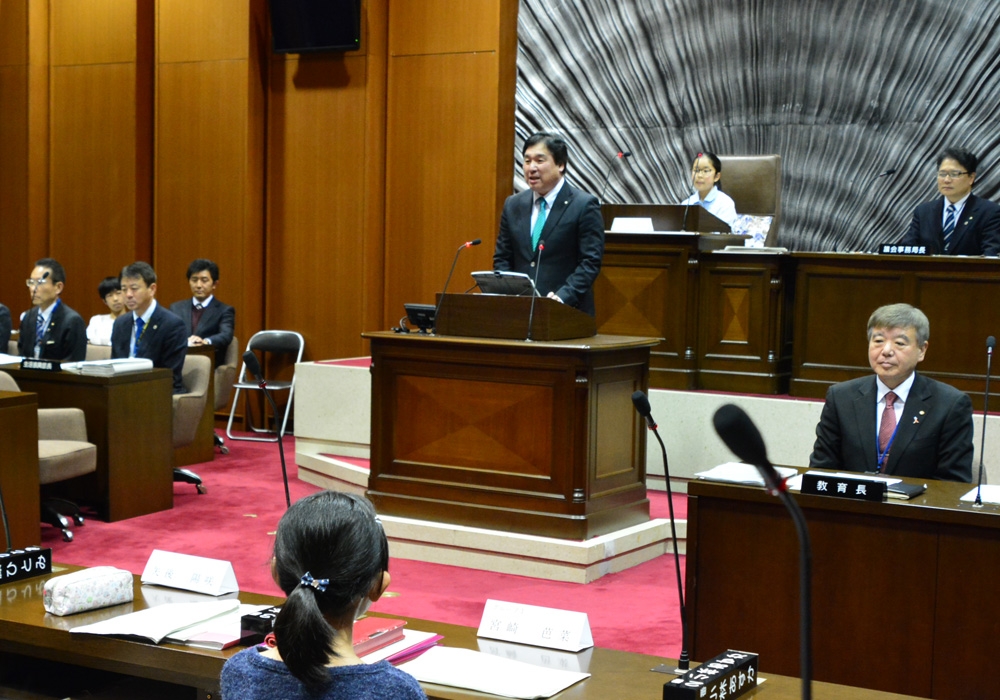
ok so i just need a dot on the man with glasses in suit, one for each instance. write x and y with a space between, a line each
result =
959 223
51 330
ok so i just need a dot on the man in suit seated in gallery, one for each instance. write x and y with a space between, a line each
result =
208 320
5 328
149 330
897 423
959 223
567 221
51 330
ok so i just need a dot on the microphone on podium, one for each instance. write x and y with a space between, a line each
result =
534 284
621 155
467 244
253 367
641 403
991 343
742 437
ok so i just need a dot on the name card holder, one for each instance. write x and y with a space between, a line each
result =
190 573
41 365
897 249
20 564
541 627
728 675
821 484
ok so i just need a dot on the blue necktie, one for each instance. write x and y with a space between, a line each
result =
39 333
139 323
949 226
536 233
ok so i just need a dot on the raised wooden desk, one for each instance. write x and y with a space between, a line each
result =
904 592
129 418
540 438
26 629
19 467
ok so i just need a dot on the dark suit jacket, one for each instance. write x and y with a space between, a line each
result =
977 231
65 339
939 446
216 324
574 244
164 341
5 328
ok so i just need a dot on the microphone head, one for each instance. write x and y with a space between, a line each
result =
250 360
740 435
474 241
626 154
641 403
991 343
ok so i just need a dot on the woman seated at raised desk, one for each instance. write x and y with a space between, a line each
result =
331 558
706 176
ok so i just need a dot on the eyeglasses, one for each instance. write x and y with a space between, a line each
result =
703 171
951 174
36 283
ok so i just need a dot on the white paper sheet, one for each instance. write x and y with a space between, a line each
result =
991 494
739 473
473 670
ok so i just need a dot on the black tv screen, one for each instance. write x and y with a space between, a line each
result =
301 26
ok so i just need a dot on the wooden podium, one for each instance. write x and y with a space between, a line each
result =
538 438
499 316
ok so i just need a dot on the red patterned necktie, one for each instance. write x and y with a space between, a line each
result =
888 425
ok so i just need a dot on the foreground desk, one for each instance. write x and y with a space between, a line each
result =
904 592
19 467
539 438
26 630
129 418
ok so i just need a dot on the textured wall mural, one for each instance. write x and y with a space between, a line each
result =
842 89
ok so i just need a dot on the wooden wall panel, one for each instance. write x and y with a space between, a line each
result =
316 211
195 30
443 26
92 176
209 155
99 141
88 32
441 172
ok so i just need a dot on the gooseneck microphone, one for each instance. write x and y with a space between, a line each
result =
991 343
641 403
622 155
467 244
253 366
742 437
534 283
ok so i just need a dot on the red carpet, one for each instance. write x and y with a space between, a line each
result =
635 610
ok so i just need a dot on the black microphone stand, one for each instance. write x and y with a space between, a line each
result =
990 344
742 437
641 403
467 244
620 155
534 284
250 360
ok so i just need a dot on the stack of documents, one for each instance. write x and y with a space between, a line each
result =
109 368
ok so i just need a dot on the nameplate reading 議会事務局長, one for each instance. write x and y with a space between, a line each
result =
840 486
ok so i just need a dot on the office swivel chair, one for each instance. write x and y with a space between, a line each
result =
267 343
63 453
188 409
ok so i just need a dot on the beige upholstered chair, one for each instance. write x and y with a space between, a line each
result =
12 347
188 409
225 376
754 183
63 453
98 352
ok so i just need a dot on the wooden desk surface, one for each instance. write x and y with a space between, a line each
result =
26 629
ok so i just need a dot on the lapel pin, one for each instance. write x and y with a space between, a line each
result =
916 420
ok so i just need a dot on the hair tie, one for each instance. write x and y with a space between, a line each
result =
319 584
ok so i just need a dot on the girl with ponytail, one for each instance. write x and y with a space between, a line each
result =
331 558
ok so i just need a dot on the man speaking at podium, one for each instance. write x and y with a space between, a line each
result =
898 422
552 215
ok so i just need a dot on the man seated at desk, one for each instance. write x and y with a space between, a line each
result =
149 331
567 220
5 328
51 330
959 223
898 422
209 321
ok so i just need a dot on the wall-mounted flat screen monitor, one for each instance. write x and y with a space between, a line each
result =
305 26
